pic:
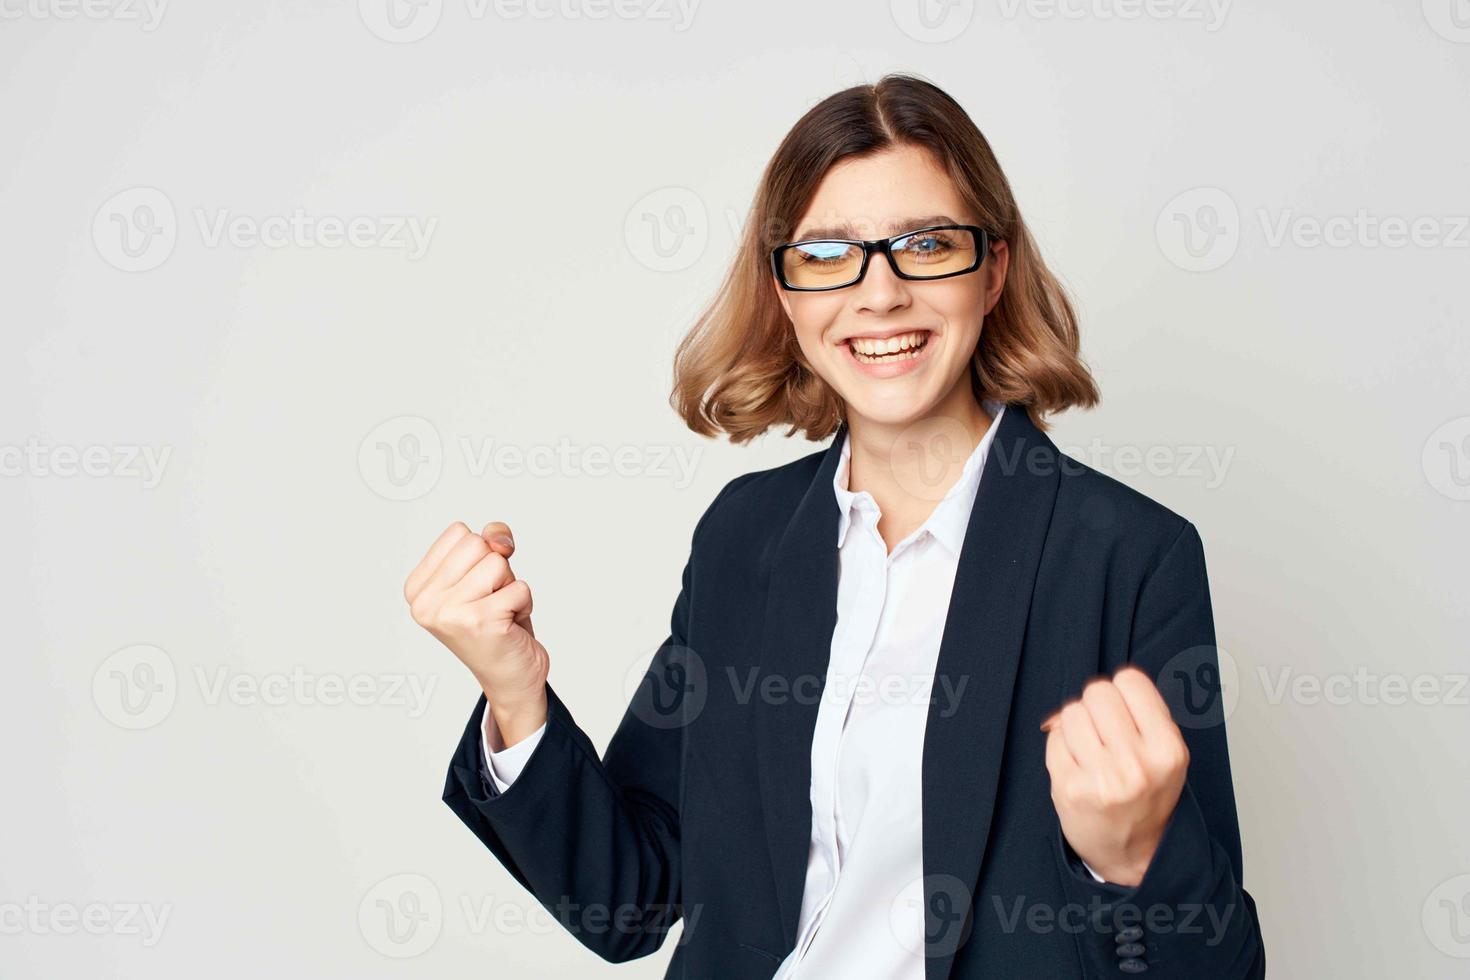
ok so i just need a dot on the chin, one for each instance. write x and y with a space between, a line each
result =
899 410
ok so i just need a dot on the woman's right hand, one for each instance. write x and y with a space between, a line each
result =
464 593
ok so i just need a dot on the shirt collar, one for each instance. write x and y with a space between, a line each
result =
951 516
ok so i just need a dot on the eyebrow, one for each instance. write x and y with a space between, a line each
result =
895 227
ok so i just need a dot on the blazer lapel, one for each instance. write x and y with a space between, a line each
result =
981 649
796 644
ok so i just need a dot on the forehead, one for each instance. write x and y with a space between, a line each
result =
896 190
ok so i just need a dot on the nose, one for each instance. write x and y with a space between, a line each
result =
880 290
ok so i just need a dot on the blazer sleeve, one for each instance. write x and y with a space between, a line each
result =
1190 917
595 840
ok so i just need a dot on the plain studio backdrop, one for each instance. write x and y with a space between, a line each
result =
288 287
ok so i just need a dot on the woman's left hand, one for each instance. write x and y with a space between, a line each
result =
1117 764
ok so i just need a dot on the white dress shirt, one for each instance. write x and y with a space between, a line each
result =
861 913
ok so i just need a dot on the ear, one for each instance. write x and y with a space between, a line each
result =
996 264
782 296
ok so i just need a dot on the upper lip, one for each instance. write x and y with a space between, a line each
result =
884 334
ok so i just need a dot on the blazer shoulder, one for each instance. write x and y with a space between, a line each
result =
1096 500
760 499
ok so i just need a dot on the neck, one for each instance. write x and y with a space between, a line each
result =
908 467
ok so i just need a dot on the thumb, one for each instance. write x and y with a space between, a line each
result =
497 535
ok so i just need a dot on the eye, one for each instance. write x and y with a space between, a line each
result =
928 244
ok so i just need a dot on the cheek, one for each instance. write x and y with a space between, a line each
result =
810 320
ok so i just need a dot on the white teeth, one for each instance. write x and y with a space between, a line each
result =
899 348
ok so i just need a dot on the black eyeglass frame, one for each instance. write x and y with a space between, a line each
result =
983 238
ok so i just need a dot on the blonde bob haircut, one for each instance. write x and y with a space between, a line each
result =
740 370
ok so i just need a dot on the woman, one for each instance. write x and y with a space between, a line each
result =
905 724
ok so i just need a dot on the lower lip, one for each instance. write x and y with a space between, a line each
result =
889 369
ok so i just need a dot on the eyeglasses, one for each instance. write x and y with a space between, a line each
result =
937 252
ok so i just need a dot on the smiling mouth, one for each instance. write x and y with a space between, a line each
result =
903 347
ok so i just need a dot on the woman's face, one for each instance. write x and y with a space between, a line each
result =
891 192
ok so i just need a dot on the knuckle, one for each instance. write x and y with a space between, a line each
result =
462 619
421 609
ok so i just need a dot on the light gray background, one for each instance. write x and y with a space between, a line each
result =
1157 153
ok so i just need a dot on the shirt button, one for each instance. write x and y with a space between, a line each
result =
1132 966
1129 934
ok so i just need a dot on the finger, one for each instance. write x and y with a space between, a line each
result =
511 603
488 574
461 558
1145 703
1082 738
1059 761
1110 715
497 535
451 536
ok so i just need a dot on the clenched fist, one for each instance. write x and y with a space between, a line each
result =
464 593
1117 764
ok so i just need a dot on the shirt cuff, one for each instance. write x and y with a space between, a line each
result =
504 766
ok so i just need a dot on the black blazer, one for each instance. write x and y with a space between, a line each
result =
699 809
